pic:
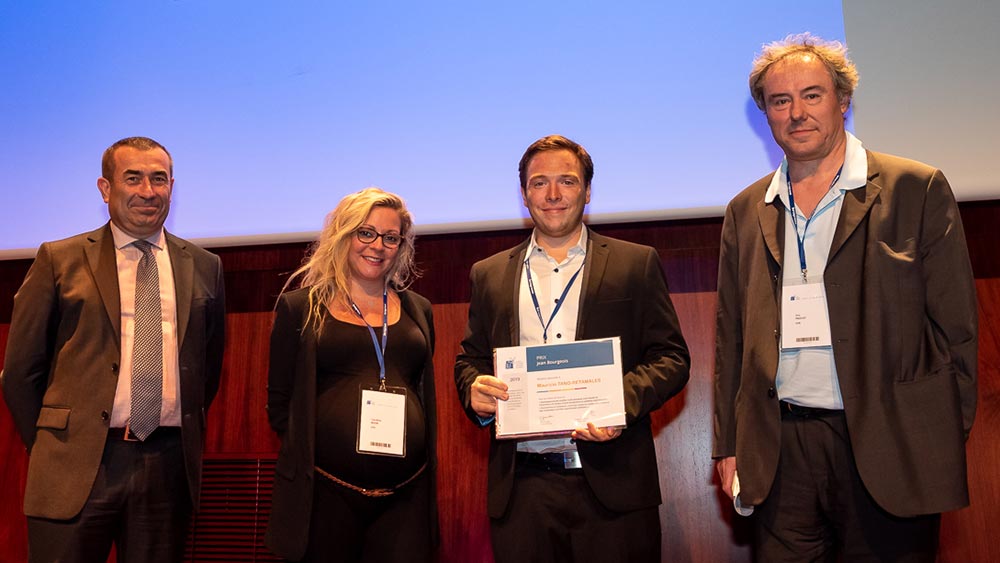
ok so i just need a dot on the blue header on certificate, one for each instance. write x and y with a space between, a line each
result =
570 355
557 388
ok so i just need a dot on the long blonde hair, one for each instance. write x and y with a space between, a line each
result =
325 270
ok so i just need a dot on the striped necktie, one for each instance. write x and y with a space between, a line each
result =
147 347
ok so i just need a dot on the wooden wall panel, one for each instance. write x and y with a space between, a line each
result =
13 472
237 419
969 534
462 451
12 272
697 521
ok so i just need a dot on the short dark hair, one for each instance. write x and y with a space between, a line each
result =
140 143
556 143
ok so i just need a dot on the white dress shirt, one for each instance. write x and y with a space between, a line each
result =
127 257
550 279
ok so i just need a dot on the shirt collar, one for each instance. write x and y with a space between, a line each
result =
123 239
854 174
579 248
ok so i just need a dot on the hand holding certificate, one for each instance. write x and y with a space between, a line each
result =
557 388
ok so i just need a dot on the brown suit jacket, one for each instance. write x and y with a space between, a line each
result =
624 294
61 367
291 411
903 318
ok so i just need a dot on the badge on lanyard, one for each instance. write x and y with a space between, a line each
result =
382 421
805 321
382 411
805 318
559 302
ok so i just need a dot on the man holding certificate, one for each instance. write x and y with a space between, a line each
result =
588 493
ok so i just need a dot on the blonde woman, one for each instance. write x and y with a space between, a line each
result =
351 394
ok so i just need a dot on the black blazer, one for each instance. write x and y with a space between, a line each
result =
624 294
291 411
61 367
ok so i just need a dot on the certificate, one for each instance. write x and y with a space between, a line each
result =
557 388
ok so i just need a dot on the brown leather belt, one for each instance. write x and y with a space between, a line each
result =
371 492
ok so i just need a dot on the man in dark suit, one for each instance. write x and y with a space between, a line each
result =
593 496
845 376
113 357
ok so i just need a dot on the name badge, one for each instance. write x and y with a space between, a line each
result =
382 422
805 320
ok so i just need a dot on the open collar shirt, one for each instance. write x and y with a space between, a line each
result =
550 278
808 376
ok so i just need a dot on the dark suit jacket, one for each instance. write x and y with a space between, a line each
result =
624 294
61 367
291 410
902 304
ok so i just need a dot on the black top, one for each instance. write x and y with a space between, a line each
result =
346 363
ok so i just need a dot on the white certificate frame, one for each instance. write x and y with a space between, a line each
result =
557 388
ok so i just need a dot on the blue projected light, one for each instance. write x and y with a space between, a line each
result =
273 113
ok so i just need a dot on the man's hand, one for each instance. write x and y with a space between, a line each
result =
726 467
486 390
594 434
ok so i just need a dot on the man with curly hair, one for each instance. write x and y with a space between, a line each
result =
845 373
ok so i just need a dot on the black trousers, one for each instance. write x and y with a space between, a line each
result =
140 502
553 516
347 526
819 510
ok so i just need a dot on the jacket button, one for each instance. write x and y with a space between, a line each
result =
114 367
771 392
105 415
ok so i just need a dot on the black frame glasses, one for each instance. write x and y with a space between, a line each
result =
368 235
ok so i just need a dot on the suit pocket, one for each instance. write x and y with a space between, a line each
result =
53 418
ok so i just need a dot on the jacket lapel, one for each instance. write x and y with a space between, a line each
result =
104 266
407 304
411 309
771 217
511 285
857 203
183 269
593 272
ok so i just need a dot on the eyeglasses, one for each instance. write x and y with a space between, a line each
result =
368 235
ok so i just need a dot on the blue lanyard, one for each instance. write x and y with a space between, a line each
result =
379 352
562 298
795 220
